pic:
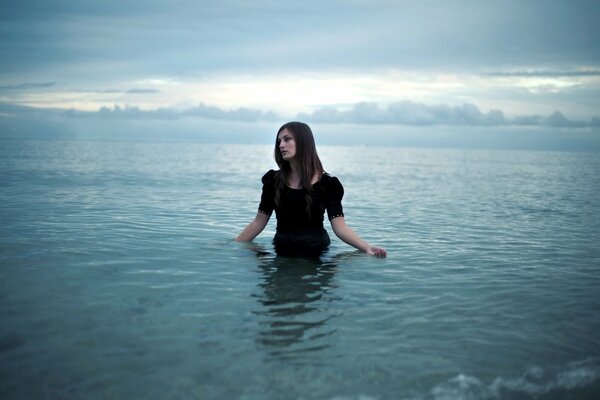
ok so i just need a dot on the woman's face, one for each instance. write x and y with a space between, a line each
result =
287 145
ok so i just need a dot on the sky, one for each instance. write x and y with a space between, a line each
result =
197 68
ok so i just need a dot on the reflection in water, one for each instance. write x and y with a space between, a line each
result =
295 294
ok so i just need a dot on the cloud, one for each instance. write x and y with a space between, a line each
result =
402 113
232 54
196 37
418 114
28 85
239 114
546 73
120 91
126 112
142 91
242 114
557 119
364 113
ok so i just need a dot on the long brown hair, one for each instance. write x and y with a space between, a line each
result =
306 156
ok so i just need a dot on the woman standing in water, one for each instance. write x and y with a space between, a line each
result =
300 192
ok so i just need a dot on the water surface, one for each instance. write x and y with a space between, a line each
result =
120 278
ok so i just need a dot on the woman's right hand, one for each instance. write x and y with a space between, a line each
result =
377 251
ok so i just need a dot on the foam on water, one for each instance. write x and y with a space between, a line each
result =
577 380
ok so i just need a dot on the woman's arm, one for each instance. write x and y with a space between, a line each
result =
254 228
344 232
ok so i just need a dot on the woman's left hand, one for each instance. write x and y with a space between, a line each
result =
376 251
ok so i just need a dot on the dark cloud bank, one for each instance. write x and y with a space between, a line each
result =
399 113
411 113
403 123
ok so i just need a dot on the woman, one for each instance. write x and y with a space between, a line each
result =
299 193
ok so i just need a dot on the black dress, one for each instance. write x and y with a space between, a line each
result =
300 232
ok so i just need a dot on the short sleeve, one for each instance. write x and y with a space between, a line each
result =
267 199
334 191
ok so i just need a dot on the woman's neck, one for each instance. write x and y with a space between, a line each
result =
294 177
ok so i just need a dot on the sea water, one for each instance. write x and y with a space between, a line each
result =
120 279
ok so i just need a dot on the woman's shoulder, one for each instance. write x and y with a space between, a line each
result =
329 180
269 177
331 185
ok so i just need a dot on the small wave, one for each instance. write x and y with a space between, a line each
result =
537 382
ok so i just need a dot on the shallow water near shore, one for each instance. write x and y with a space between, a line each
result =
120 279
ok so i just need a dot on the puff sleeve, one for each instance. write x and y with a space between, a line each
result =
333 199
267 199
